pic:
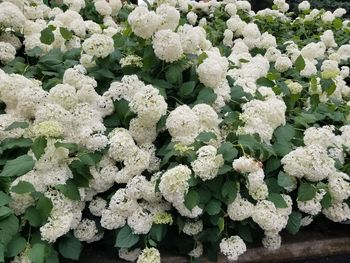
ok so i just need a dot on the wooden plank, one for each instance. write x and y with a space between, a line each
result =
307 244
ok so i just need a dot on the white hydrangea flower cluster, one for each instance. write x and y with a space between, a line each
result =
263 117
232 247
185 124
149 255
310 162
207 164
212 71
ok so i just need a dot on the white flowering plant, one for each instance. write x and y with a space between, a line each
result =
198 128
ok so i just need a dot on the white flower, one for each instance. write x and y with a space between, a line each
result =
232 247
197 251
11 16
116 5
86 230
328 39
328 17
129 255
193 228
103 8
7 52
148 104
212 70
167 45
143 22
243 5
283 63
337 212
313 206
140 221
183 125
344 52
262 117
97 206
294 87
98 45
305 5
169 17
131 60
149 255
339 186
246 165
240 209
174 184
268 217
311 162
323 136
231 9
228 36
208 163
272 242
339 12
192 18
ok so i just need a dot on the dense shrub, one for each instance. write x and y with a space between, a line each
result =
191 127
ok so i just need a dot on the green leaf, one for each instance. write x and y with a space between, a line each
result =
125 238
245 232
17 124
272 165
37 253
202 57
8 228
278 200
285 133
39 146
174 74
11 143
2 250
204 196
293 224
284 180
70 247
70 146
16 246
19 166
213 207
306 191
52 257
305 119
191 199
5 212
4 198
23 187
158 232
265 82
47 36
326 200
206 95
229 191
337 23
66 34
221 224
228 151
187 88
33 216
70 190
44 207
206 136
299 63
328 86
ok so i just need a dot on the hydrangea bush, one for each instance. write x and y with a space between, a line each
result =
197 128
